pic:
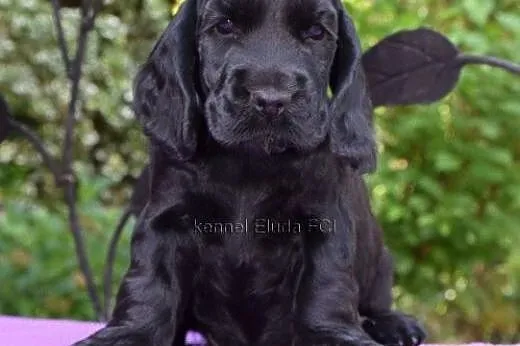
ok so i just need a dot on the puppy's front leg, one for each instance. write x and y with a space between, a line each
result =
328 297
148 305
387 326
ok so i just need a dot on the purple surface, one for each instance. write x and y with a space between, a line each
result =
19 331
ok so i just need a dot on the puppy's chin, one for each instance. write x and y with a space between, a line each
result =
273 145
268 145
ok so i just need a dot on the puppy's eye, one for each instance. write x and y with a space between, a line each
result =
225 27
314 32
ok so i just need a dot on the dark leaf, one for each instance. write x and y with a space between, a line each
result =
5 125
411 67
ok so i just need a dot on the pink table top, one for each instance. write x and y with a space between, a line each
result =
20 331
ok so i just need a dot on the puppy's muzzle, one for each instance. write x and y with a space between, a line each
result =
267 92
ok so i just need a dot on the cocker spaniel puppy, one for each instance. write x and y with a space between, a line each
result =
258 230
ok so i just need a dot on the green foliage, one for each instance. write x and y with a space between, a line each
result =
39 271
447 191
447 188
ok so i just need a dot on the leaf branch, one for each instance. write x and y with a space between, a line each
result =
489 60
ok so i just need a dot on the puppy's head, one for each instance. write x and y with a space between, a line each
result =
256 73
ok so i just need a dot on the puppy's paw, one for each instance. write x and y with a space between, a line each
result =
394 329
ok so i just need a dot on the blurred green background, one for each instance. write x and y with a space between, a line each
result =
447 191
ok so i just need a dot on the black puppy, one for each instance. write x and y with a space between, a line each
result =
258 230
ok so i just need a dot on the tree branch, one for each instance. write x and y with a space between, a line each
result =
68 179
81 254
38 144
88 15
109 263
491 61
62 43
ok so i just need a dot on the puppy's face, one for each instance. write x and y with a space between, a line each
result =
265 68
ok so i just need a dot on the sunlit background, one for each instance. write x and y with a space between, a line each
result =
447 190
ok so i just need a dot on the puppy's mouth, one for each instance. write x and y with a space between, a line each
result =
270 140
238 125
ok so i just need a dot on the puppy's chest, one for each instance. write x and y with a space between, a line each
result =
251 257
251 234
248 284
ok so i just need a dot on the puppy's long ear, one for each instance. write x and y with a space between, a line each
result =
166 102
351 129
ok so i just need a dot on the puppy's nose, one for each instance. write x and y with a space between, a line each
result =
270 102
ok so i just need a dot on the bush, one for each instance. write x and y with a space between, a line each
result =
39 271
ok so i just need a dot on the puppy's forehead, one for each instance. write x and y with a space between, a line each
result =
271 8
